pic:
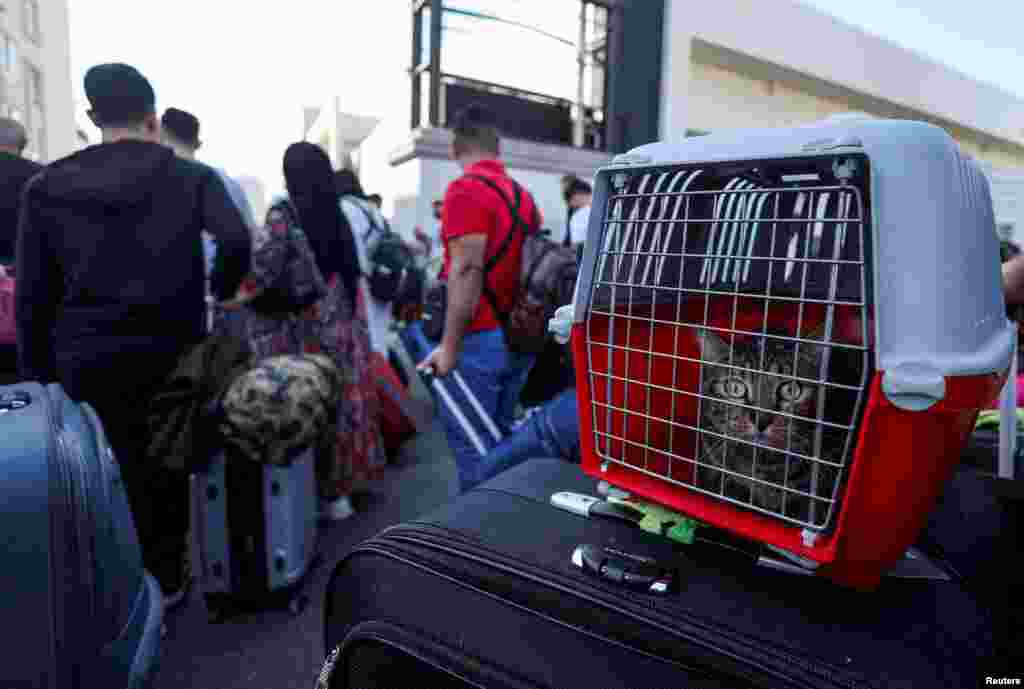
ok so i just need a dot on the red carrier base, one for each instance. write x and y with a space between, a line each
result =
632 385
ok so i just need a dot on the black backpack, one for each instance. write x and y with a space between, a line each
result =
391 261
413 289
547 277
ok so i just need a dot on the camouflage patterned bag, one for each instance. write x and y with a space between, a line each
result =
281 406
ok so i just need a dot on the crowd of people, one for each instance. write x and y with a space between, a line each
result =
130 254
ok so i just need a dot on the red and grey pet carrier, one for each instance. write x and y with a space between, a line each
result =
789 333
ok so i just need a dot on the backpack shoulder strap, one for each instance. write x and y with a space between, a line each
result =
517 223
498 190
513 208
371 222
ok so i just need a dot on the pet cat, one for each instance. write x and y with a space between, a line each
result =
764 381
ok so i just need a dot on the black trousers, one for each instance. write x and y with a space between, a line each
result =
8 364
550 375
119 386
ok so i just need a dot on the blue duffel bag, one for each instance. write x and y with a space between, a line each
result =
81 610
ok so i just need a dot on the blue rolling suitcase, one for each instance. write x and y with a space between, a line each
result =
81 610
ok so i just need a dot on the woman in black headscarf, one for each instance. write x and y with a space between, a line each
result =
341 323
309 179
346 183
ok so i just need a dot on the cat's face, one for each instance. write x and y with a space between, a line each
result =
751 397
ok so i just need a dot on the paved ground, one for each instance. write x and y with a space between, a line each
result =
272 649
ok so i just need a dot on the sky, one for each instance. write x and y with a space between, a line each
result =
246 69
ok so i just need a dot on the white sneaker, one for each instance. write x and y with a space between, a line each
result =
336 510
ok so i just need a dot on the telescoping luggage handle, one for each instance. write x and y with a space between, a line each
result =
430 377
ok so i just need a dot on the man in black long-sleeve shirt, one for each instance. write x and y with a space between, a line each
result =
111 286
15 171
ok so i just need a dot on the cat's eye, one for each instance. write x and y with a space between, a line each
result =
735 388
790 391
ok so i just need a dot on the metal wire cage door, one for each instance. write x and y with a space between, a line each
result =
727 335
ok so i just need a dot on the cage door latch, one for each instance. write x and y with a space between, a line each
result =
913 386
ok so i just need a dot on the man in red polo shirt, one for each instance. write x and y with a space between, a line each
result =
475 221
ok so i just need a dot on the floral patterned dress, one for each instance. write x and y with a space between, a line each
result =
331 326
344 335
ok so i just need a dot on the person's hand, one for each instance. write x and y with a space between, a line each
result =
442 361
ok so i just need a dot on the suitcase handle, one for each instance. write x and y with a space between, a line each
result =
631 571
13 401
431 379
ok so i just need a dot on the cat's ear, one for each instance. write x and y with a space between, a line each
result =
818 333
712 347
814 352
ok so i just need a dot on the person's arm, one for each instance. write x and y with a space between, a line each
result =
465 287
38 293
1013 281
222 219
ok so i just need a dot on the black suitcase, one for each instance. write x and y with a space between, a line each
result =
483 593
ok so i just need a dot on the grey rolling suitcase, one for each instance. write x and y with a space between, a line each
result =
254 532
80 609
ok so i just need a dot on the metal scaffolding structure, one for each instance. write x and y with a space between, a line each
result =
584 115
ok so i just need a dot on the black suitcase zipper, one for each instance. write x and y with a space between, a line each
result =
73 527
711 647
59 507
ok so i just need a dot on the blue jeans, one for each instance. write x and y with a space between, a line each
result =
551 431
495 376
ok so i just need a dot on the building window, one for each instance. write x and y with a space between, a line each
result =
32 24
8 53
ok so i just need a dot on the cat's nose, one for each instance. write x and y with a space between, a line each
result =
764 421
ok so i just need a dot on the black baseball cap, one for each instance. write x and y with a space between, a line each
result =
118 94
183 126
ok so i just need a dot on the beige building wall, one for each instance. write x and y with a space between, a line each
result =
722 98
35 74
721 73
